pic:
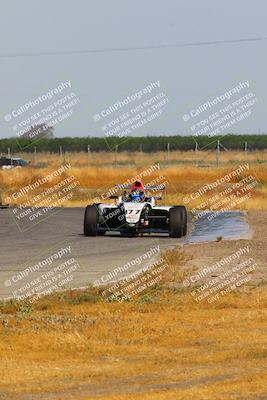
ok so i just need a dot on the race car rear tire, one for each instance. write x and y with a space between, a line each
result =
90 221
176 222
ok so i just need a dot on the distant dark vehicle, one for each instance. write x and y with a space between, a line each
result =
1 203
12 162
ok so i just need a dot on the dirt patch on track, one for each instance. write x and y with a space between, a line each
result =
207 254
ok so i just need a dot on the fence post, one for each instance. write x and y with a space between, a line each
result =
116 153
61 152
218 153
9 156
34 155
246 150
88 154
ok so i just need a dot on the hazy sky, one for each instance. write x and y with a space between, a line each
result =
189 76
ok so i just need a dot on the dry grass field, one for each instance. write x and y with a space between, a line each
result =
160 345
184 173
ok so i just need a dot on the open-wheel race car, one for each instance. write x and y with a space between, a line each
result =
134 213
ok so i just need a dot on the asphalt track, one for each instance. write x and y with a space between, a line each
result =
55 254
96 256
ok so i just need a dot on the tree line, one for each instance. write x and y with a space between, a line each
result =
146 144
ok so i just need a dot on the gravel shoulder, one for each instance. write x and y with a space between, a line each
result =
208 254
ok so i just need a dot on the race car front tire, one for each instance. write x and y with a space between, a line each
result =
176 222
184 215
90 221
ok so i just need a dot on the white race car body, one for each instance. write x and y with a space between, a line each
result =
132 216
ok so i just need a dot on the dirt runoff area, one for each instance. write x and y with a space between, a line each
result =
216 268
162 346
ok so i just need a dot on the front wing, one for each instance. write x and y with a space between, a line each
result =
112 218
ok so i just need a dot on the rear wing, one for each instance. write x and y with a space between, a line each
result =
153 187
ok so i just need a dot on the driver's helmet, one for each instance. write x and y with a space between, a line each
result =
137 195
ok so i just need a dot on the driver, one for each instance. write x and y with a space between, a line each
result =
137 195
